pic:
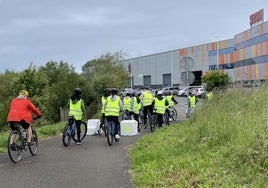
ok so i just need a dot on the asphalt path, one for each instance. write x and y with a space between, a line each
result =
92 164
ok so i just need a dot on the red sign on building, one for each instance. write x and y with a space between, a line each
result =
256 17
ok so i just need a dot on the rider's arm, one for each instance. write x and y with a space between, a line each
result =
33 108
174 100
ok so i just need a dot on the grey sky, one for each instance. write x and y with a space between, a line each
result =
76 31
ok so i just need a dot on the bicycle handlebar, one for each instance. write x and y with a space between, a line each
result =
37 117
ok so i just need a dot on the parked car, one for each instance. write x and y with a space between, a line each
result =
174 90
198 91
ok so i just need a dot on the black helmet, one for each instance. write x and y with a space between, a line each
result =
114 91
167 92
77 91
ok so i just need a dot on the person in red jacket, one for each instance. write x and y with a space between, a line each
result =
20 111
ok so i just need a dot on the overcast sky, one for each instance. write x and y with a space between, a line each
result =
76 31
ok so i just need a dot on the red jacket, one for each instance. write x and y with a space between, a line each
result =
22 108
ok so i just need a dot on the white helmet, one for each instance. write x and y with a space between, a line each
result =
160 92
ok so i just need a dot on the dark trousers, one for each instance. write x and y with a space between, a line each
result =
115 119
147 109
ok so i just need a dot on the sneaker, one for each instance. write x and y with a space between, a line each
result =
78 143
117 136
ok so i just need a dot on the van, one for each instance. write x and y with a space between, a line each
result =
198 91
174 90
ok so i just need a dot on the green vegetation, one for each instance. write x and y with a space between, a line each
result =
216 80
225 144
50 86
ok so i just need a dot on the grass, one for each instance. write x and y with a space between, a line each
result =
224 144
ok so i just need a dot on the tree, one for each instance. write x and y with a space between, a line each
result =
105 72
215 79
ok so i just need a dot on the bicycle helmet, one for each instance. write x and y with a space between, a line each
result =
167 93
106 92
77 91
114 91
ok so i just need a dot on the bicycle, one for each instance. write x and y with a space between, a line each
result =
150 121
126 115
17 143
70 131
172 114
110 132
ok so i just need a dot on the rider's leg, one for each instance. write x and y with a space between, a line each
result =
78 128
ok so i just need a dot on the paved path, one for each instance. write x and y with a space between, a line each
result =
92 164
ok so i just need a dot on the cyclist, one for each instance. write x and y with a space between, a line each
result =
77 109
112 108
171 102
146 99
135 106
126 103
20 112
192 100
160 104
106 94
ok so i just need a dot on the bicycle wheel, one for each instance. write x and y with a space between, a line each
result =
166 118
66 136
174 114
83 133
33 148
153 124
110 136
15 148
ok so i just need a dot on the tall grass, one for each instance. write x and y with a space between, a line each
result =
225 144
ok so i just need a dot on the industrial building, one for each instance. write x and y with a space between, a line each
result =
244 57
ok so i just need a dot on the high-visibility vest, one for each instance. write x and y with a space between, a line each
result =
147 98
160 106
136 106
103 100
112 107
192 101
75 109
126 103
170 102
209 95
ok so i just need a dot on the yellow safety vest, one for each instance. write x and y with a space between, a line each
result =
170 102
192 101
209 96
147 98
112 107
160 106
75 110
126 103
136 106
103 100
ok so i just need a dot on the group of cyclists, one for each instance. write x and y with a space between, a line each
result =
133 105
